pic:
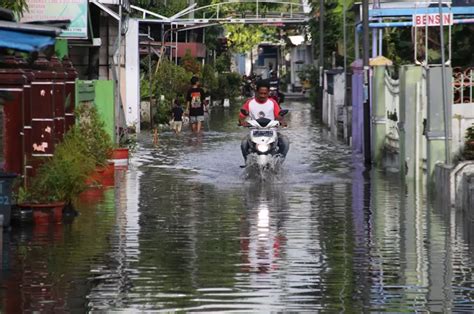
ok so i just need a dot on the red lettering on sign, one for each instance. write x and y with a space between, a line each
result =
433 19
417 20
447 19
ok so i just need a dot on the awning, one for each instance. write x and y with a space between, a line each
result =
24 41
27 37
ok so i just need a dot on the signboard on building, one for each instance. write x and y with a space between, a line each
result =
73 10
125 3
432 19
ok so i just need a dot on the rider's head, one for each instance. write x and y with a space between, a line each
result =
262 90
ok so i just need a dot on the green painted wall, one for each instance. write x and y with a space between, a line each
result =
101 93
61 48
104 100
84 92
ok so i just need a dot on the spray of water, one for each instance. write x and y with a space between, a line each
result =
268 171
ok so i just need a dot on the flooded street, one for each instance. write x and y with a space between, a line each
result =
185 230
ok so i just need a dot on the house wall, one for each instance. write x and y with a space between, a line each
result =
463 117
197 50
80 53
108 37
300 57
131 80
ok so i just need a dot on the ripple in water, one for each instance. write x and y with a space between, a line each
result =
185 231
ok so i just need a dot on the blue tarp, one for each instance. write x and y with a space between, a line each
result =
24 41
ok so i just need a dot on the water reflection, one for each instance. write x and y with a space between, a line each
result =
46 267
263 240
113 280
183 230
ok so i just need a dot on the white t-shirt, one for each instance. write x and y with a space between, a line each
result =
269 109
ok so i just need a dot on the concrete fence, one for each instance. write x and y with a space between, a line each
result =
454 185
467 200
407 119
407 122
38 109
444 189
385 116
463 117
461 186
333 113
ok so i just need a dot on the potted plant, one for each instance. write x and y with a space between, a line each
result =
121 152
59 180
469 143
98 143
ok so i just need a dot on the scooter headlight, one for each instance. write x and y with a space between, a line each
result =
263 148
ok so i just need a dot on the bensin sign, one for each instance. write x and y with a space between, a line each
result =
433 19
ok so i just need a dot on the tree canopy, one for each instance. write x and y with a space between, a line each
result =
17 6
244 37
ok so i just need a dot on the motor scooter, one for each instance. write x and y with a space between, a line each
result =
265 147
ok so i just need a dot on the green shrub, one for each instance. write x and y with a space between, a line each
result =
162 112
470 133
310 73
97 141
228 86
62 177
209 79
190 64
223 63
468 152
171 80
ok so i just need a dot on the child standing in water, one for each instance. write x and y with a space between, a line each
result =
177 116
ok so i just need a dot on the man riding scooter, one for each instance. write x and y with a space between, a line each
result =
247 90
261 106
274 83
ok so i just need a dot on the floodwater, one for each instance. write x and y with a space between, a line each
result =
185 230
